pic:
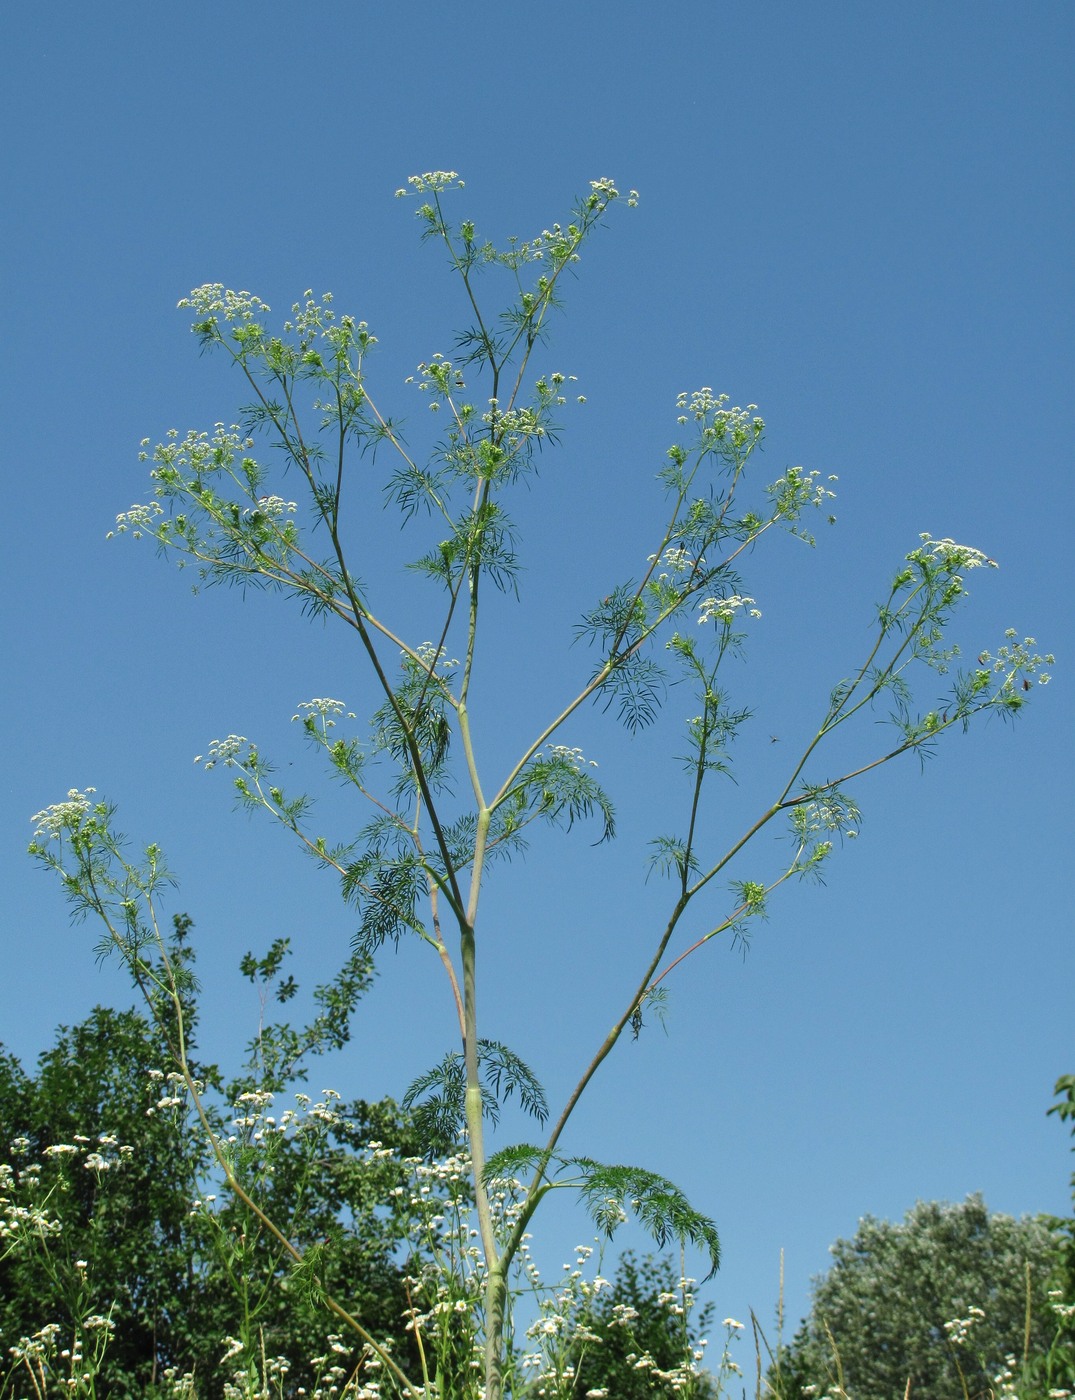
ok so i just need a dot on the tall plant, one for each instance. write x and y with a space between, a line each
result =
435 817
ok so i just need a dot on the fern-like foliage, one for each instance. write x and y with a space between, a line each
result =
669 856
637 687
556 787
511 1162
386 882
438 1097
609 1192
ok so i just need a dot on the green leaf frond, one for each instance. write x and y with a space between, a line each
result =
637 686
880 679
412 489
437 1098
477 345
326 498
711 733
505 1073
322 589
685 649
459 837
557 788
369 434
505 839
611 1192
511 1162
386 885
526 322
841 693
664 596
437 1102
506 829
705 522
619 620
669 855
418 717
482 539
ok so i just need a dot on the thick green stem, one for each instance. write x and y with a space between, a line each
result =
496 1284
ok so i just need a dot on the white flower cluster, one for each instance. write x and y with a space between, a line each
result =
311 317
137 520
801 489
213 299
1016 657
274 507
514 425
432 182
40 1353
675 558
549 388
61 816
310 1119
222 751
703 405
98 1155
959 1329
952 555
607 191
174 1091
567 755
198 455
325 709
17 1219
724 609
427 654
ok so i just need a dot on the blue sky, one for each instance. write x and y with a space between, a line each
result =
857 217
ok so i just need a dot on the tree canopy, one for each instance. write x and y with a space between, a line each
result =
951 1288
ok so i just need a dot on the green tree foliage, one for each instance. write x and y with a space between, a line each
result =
130 1227
124 1236
942 1293
1056 1368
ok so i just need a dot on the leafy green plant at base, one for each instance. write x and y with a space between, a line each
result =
433 818
110 1209
202 1309
115 1184
1054 1369
646 1337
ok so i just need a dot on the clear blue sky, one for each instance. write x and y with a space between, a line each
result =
858 217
